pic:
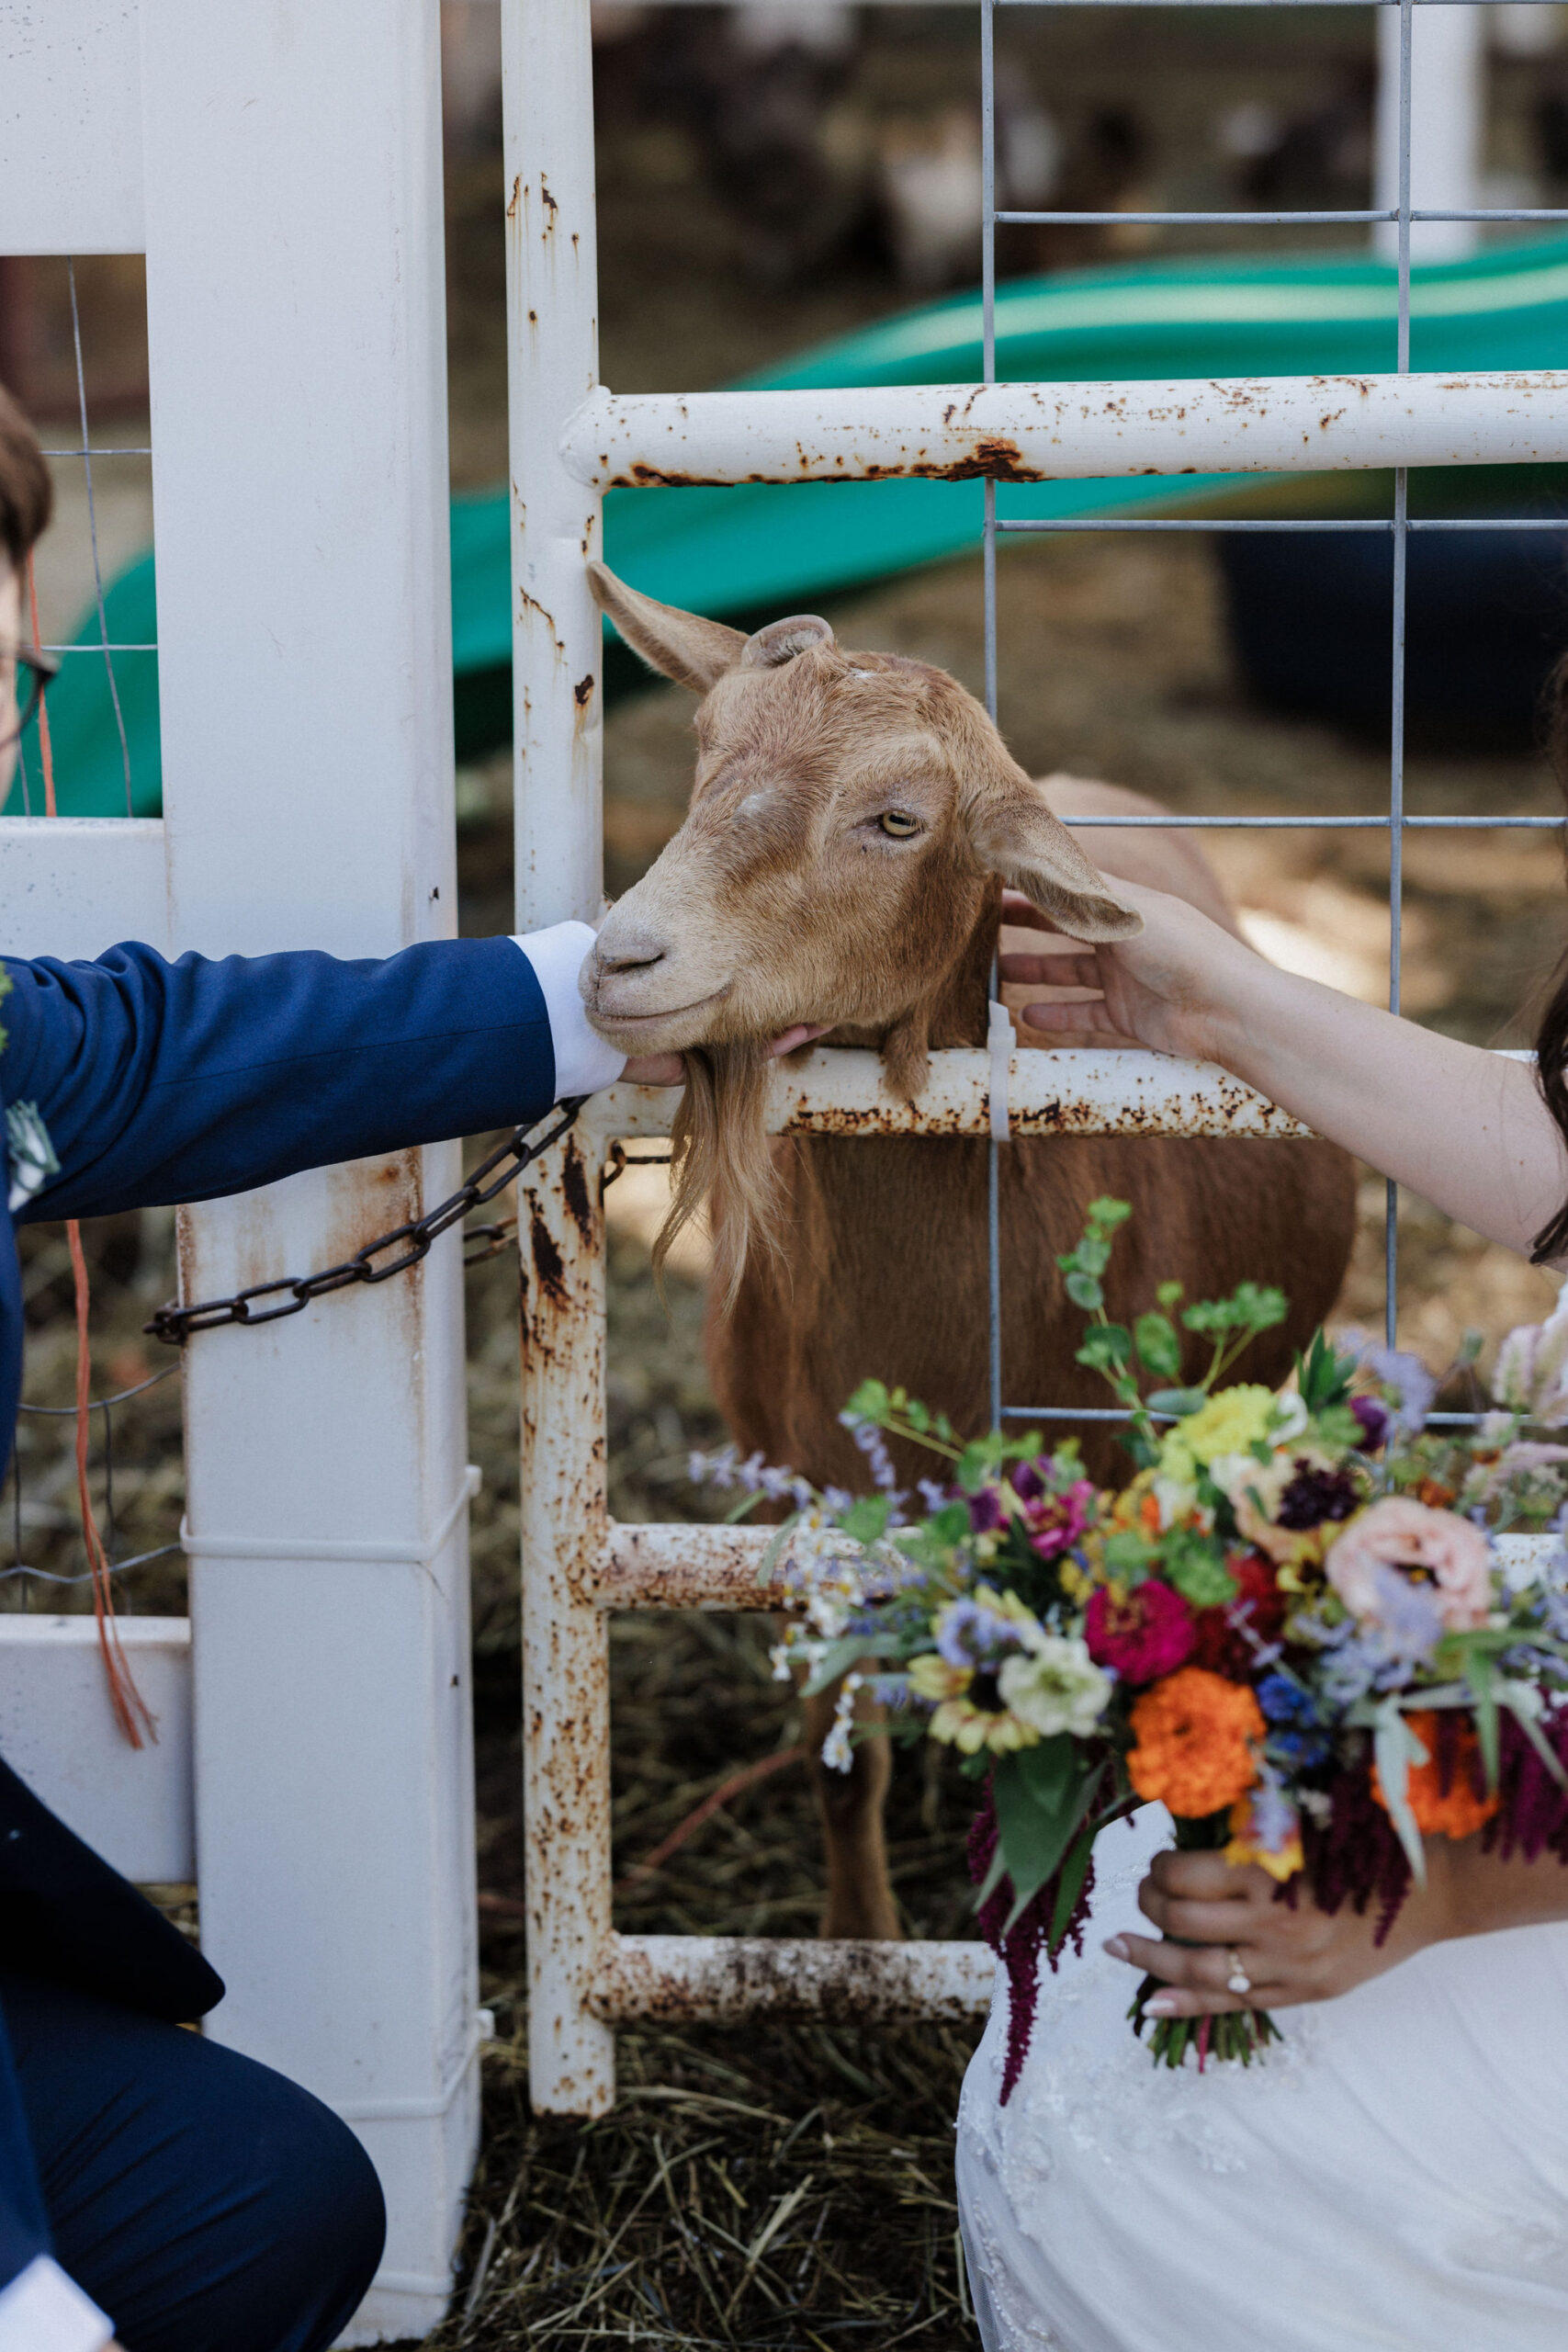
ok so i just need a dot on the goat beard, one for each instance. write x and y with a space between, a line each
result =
721 1160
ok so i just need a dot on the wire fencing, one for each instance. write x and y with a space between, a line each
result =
1398 526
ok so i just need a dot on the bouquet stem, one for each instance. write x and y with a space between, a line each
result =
1233 2033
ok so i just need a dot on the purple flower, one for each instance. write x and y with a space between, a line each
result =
1316 1497
986 1510
1374 1418
1411 1384
1056 1518
968 1633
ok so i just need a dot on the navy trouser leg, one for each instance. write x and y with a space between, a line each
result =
206 2203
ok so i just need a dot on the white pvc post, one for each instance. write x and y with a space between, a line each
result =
547 83
297 334
1447 103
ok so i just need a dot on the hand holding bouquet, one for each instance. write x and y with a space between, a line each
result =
1292 1626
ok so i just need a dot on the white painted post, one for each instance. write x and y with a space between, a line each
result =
1447 103
297 335
547 86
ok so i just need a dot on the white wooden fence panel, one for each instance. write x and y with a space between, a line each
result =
73 886
58 1730
295 323
70 128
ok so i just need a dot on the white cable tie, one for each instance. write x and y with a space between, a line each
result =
1001 1038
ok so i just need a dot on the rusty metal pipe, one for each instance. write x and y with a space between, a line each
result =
1069 432
837 1090
718 1977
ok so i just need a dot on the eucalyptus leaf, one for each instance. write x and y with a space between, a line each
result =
774 1551
1396 1747
847 1651
1178 1401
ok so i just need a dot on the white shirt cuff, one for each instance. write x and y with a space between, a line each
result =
583 1061
43 2310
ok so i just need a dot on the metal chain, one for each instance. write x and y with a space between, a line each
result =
176 1323
620 1159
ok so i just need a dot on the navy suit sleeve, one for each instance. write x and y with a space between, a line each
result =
161 1081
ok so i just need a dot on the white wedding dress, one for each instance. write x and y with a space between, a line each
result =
1393 2175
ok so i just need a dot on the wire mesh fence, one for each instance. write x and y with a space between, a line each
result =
1397 526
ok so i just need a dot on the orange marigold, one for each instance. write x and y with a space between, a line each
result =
1459 1813
1195 1733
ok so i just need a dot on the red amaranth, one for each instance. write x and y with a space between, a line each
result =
1020 1950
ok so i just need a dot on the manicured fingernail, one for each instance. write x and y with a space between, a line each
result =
1116 1947
1162 2006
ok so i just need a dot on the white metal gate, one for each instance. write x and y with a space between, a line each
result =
570 440
280 167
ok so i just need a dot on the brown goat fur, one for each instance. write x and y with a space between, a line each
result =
784 899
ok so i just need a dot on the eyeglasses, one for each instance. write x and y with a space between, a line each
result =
28 672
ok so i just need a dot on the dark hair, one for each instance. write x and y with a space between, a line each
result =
1552 1036
26 494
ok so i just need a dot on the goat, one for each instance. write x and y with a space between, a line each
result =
853 820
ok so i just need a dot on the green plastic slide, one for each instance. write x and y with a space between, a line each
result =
759 547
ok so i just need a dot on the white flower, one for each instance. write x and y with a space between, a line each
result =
1055 1686
837 1753
1532 1368
1177 1500
1289 1418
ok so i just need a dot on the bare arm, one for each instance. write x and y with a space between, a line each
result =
1464 1128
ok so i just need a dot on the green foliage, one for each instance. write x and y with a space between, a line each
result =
1153 1345
901 1415
1106 1347
1041 1795
1195 1565
1251 1308
1178 1402
866 1519
1128 1555
1159 1345
1324 1375
1084 1265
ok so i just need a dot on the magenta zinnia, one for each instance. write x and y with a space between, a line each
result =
1139 1634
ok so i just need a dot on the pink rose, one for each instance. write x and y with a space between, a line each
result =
1400 1533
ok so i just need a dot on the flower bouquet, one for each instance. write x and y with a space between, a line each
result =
1293 1625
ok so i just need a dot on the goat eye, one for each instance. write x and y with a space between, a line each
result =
899 824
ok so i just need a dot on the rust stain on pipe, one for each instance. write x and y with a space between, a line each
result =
680 1979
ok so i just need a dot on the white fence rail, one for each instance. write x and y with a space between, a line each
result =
1068 432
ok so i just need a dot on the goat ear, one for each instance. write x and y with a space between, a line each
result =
683 646
1013 831
781 640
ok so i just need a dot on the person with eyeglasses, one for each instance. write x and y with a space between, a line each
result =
158 2190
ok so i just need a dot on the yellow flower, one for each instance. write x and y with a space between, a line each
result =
932 1677
1227 1423
1243 1849
962 1724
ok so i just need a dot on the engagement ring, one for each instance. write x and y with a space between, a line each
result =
1238 1981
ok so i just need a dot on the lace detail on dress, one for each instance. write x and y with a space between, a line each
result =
1091 2090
